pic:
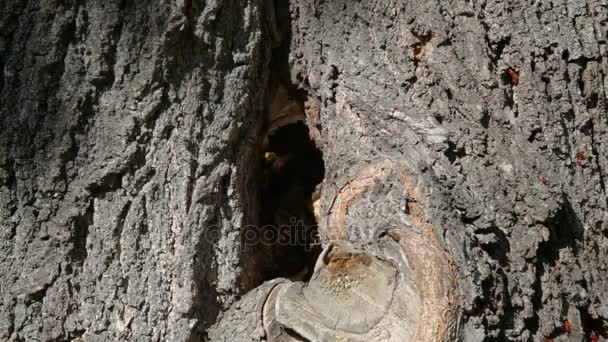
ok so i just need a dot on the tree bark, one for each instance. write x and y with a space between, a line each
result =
148 147
125 157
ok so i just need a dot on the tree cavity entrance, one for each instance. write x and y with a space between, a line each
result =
289 167
292 168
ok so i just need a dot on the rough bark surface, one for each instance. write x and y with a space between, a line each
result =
124 135
131 157
500 108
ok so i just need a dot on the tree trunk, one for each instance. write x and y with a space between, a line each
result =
160 164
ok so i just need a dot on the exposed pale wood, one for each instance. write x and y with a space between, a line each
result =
354 296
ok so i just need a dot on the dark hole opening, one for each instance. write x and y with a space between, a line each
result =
592 325
453 152
81 226
293 167
565 231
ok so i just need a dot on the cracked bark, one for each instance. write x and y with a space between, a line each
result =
132 149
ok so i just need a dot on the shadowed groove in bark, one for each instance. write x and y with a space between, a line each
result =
80 232
565 232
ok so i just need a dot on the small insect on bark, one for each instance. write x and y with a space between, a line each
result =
542 179
514 76
580 157
593 337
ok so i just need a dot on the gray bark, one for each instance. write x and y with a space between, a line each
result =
465 140
125 132
508 102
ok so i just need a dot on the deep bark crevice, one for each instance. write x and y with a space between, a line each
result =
284 238
565 231
80 232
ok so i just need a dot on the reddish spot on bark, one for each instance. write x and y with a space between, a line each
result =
395 107
580 156
558 267
514 76
568 326
593 337
548 340
542 179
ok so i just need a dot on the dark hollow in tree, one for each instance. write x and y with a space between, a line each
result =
293 169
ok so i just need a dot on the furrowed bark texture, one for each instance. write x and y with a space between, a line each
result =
500 110
124 135
469 135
